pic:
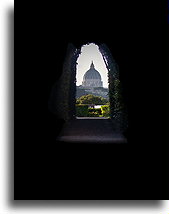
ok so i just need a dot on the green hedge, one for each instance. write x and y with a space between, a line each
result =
105 109
82 110
94 112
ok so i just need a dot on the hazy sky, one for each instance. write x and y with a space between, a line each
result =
88 53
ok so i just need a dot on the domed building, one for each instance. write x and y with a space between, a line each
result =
92 78
92 84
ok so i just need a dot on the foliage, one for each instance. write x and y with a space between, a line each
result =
91 99
82 110
77 101
94 112
105 110
66 86
119 105
118 112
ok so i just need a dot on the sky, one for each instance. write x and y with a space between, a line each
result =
88 54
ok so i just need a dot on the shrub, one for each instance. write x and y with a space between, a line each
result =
94 112
91 99
105 109
81 110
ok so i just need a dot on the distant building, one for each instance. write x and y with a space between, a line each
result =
92 78
92 84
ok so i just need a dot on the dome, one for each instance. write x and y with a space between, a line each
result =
92 78
92 73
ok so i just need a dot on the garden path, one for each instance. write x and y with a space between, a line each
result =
93 130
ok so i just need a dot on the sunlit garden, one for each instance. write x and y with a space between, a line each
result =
92 106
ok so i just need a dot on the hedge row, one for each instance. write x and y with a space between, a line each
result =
118 111
105 109
82 110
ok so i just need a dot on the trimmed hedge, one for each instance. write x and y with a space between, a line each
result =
94 112
82 110
91 99
105 109
118 109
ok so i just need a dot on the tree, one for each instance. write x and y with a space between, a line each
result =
91 99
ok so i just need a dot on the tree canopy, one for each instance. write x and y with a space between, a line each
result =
91 99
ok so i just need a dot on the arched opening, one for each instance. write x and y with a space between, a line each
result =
64 104
92 93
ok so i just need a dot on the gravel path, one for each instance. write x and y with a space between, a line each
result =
93 130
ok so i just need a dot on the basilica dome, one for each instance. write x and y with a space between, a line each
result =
92 73
92 78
